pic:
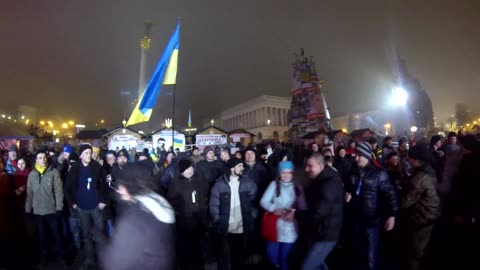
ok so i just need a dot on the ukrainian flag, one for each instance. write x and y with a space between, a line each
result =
165 73
178 143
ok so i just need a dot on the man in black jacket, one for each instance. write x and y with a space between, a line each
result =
86 193
210 168
325 197
374 198
188 195
257 170
233 212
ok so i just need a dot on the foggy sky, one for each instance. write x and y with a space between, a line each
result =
75 57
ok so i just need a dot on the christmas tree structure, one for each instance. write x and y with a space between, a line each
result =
308 107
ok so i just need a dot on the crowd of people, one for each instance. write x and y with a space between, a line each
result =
349 206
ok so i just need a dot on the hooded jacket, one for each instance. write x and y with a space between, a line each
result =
144 237
44 192
220 204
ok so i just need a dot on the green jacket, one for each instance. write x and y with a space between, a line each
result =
420 203
44 192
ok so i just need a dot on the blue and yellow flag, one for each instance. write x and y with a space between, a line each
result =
165 73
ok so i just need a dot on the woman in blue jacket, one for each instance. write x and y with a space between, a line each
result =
283 197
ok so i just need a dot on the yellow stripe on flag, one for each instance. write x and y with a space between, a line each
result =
138 117
171 73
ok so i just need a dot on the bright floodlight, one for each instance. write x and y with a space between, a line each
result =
399 97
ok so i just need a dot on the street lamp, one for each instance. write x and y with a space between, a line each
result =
413 129
212 122
101 121
387 128
399 97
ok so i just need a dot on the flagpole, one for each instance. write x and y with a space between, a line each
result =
173 118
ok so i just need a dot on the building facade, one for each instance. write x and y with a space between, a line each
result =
264 116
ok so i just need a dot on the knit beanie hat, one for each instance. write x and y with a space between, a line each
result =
207 149
111 152
68 149
365 150
285 166
233 162
123 153
84 147
184 164
13 148
251 148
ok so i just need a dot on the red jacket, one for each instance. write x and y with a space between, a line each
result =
20 179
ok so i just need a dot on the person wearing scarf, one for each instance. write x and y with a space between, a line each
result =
45 201
144 237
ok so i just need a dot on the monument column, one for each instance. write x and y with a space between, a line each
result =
145 45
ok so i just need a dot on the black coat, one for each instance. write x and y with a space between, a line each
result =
260 174
220 204
377 197
210 170
344 168
180 195
98 180
140 241
325 199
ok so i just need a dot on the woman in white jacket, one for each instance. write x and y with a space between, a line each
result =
282 198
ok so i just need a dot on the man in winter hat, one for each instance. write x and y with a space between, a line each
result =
210 169
418 213
86 193
233 213
188 195
371 188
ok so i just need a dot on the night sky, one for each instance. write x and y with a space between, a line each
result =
75 58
